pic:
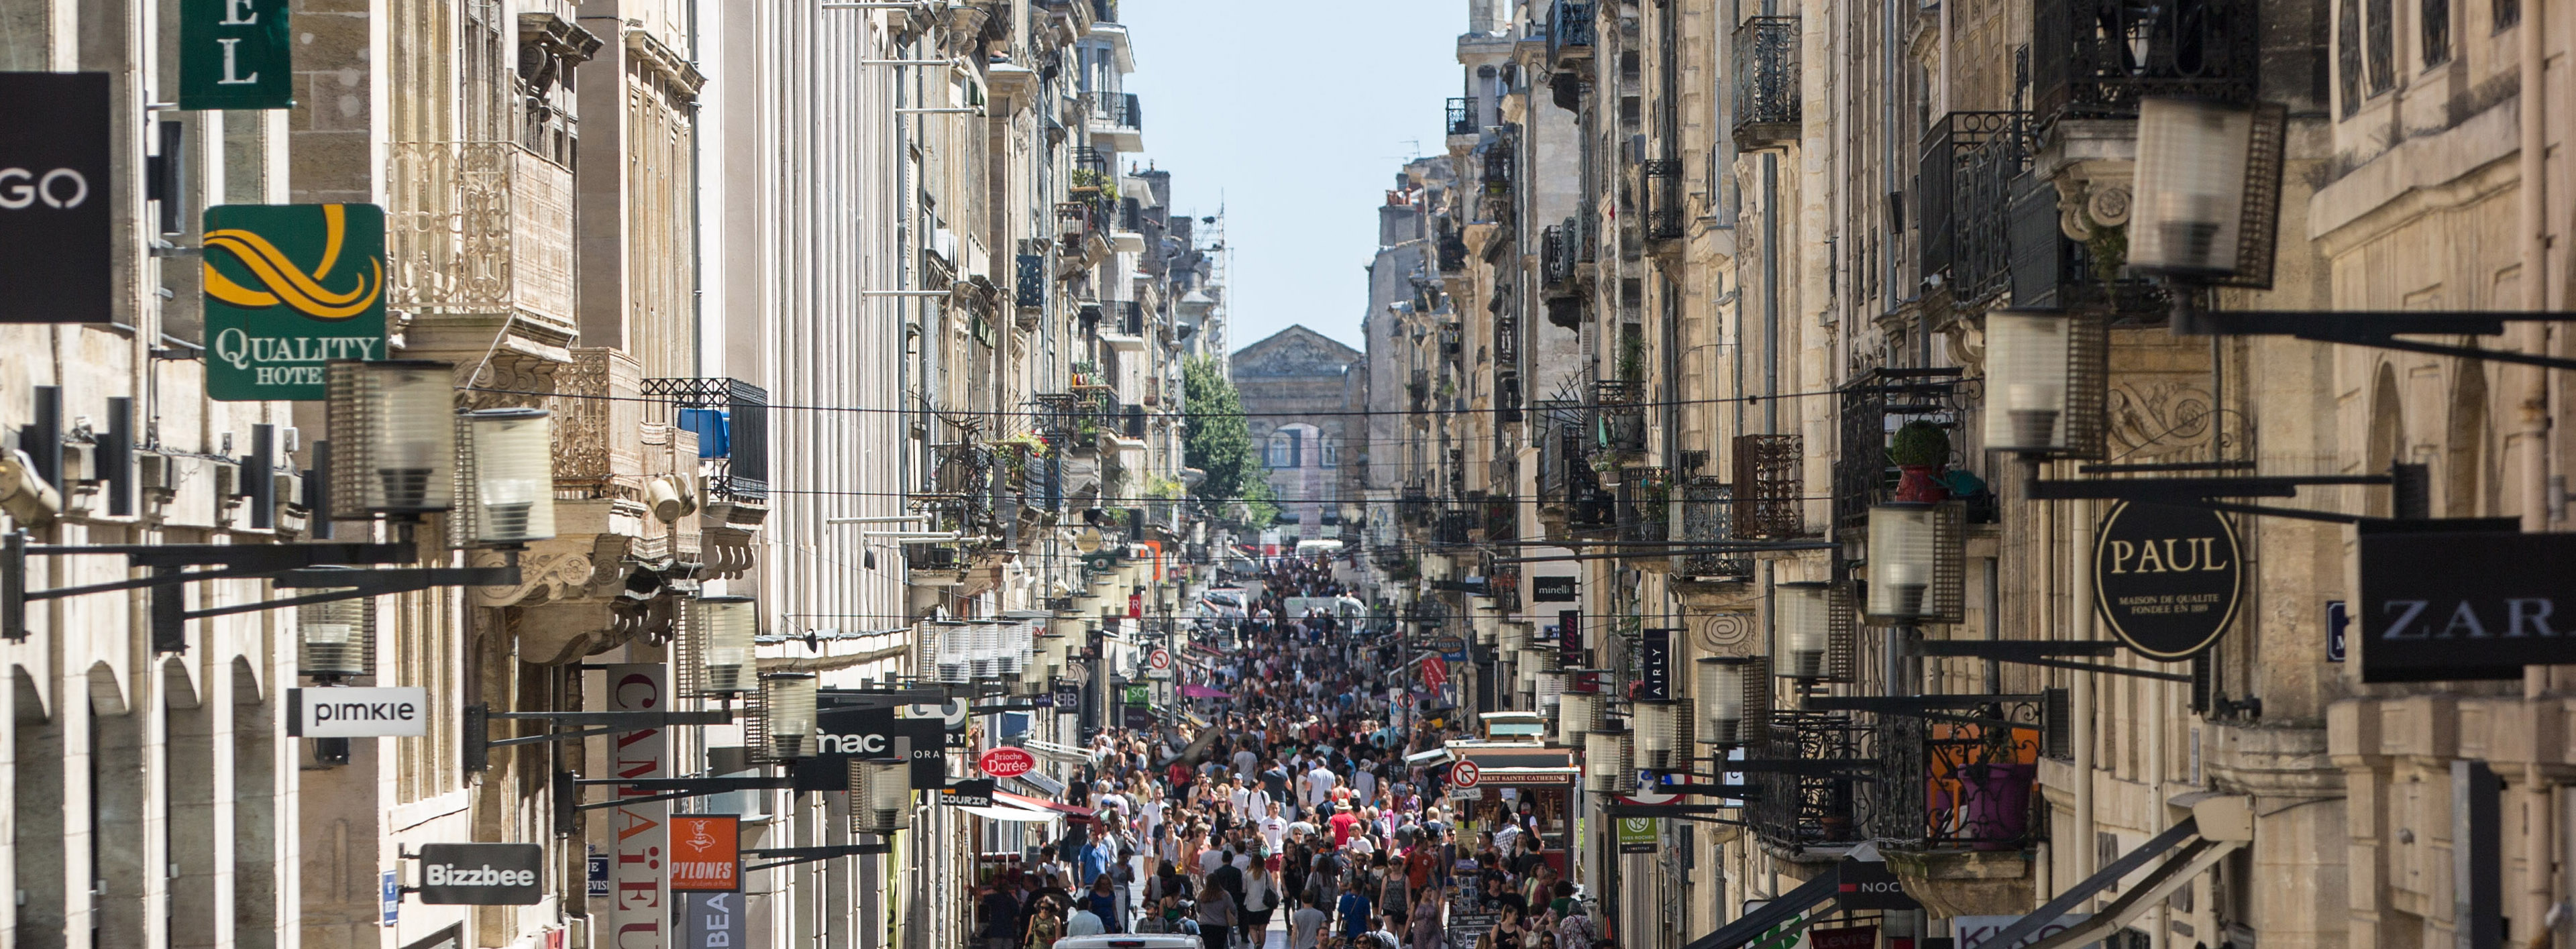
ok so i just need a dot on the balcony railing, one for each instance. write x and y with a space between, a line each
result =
1959 785
1118 109
1462 117
1660 189
1556 258
1645 510
1453 527
1800 811
731 418
1708 519
1768 107
1569 31
1969 162
479 227
1029 282
1453 248
1104 11
2097 58
1769 487
1863 473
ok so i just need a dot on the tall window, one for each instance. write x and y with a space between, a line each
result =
1331 452
2507 13
2365 47
1281 451
2437 32
2382 48
2348 53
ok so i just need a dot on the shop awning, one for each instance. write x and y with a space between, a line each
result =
1789 906
1512 776
1489 755
2217 826
1020 800
1001 812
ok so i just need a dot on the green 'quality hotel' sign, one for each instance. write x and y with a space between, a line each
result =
288 288
233 54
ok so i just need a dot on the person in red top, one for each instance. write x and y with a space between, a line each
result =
1419 864
1343 820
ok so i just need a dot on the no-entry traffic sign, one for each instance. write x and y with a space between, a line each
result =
1465 774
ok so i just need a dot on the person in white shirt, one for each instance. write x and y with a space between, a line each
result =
1364 781
1245 762
1085 923
1274 828
1507 840
1319 786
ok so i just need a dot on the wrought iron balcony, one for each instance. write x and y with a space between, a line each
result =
1029 282
1968 165
2097 58
1556 258
1796 811
1453 248
1864 473
1104 11
1417 390
1770 487
1661 199
1453 527
1768 106
1462 117
1645 496
1708 519
1954 785
731 418
1569 32
1117 109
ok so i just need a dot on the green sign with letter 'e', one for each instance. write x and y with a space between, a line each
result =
233 54
288 288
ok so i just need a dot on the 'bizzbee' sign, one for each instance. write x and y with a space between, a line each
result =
482 874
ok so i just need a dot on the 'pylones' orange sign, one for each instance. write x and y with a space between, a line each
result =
706 853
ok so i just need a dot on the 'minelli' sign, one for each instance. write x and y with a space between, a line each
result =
2464 606
2166 578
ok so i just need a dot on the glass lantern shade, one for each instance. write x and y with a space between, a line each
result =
336 639
1550 688
1577 714
726 627
1721 695
1902 551
1608 767
393 436
787 713
2028 354
1802 627
880 795
2191 187
1660 742
512 481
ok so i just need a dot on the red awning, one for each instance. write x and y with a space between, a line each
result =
1042 804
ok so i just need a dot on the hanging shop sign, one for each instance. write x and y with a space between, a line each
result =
973 792
2465 605
640 909
1006 762
1654 665
2167 578
952 714
1556 589
57 222
482 874
357 712
713 921
1638 834
1870 884
706 853
844 733
1847 937
290 287
234 54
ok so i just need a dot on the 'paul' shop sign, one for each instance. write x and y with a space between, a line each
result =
2167 578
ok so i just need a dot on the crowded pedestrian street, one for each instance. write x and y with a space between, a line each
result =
1290 808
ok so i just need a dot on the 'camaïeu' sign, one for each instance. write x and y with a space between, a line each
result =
2166 578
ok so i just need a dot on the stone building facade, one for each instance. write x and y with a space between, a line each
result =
853 312
1724 252
1302 398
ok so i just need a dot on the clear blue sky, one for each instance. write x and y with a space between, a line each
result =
1296 117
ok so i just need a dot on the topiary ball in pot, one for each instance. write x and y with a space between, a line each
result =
1920 450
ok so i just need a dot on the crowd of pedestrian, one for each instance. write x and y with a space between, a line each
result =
1295 806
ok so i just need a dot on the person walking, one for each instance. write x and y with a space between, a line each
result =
1260 900
1216 916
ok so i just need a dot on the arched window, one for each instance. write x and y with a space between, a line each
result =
1282 451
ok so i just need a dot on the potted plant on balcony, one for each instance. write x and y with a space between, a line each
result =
1919 451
